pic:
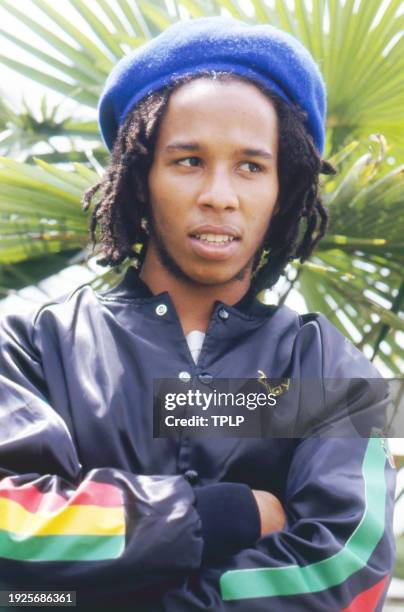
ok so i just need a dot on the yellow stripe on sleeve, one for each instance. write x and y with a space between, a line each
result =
72 520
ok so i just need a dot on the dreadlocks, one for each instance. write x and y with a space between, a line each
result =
122 210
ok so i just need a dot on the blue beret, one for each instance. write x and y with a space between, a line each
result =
262 53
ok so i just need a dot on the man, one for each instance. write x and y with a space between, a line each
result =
216 130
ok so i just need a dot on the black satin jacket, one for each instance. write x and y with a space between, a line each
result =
90 501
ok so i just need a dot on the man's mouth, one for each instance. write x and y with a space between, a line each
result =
214 238
215 243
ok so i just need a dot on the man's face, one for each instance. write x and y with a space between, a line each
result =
213 183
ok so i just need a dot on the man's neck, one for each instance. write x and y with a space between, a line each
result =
193 302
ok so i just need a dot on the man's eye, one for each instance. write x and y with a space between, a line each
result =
190 162
250 167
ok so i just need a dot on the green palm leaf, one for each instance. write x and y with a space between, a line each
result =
21 132
356 279
31 272
40 211
353 45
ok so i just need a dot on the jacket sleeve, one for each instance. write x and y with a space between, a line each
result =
337 550
60 527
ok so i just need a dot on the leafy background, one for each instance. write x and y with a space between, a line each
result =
51 152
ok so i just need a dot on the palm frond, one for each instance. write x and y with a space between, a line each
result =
355 276
40 210
26 273
21 132
360 50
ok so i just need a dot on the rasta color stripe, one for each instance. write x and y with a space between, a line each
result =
50 526
90 520
88 493
367 600
61 548
295 580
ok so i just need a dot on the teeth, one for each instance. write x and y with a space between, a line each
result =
215 237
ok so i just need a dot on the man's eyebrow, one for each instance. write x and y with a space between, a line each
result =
183 146
257 153
194 146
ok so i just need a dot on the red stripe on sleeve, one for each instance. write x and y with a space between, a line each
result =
31 498
366 601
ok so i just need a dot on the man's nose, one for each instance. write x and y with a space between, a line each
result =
218 191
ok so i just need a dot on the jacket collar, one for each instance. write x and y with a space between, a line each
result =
132 287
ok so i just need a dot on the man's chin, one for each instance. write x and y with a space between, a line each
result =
218 278
210 276
207 275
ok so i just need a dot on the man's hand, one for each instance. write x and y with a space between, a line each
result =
271 512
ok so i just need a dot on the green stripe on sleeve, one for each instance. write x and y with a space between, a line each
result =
60 548
294 579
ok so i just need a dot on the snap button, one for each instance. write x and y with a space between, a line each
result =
192 476
161 309
184 376
223 314
205 377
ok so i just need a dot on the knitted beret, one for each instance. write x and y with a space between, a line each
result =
262 53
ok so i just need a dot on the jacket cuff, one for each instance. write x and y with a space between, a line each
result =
230 518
